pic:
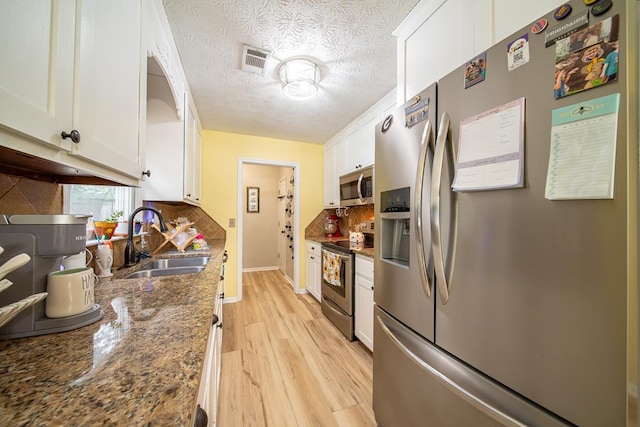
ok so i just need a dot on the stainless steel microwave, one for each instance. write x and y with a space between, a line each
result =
356 188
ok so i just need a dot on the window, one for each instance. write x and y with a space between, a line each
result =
100 201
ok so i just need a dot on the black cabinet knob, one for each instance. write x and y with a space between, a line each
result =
74 135
147 173
215 319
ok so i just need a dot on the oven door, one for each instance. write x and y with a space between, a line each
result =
337 279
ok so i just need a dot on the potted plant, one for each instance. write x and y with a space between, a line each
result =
106 228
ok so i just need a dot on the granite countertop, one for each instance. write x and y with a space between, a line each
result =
139 365
368 252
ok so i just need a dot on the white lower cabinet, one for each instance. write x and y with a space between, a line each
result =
210 379
364 300
314 269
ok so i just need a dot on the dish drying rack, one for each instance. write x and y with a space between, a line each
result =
170 236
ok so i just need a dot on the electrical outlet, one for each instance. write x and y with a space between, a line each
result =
363 226
232 222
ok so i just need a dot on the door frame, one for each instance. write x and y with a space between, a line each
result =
296 216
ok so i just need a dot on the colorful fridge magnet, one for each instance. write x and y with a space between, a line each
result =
417 112
518 52
595 64
601 7
539 26
562 30
589 2
562 12
476 70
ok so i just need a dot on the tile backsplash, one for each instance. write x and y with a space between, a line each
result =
24 196
28 197
355 216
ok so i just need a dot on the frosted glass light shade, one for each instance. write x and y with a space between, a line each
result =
299 78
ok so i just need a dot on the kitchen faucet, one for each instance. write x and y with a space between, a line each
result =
129 250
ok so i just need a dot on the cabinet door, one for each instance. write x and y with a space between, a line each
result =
212 410
36 76
342 165
364 311
106 101
510 16
331 189
454 31
192 156
312 272
354 148
366 153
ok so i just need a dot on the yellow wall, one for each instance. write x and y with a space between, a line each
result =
220 153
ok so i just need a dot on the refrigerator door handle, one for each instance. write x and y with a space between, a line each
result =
436 232
425 144
480 404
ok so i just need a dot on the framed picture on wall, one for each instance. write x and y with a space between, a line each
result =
253 199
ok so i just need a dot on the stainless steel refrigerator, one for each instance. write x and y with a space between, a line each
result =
501 282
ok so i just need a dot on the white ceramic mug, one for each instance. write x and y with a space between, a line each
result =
70 292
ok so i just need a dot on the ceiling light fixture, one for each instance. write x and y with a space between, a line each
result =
299 78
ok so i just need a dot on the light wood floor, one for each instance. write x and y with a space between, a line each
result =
284 364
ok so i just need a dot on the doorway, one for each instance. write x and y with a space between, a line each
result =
292 216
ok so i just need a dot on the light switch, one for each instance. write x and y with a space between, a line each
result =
232 222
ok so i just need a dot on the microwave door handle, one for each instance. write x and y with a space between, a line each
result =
360 178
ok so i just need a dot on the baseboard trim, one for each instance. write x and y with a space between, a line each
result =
252 269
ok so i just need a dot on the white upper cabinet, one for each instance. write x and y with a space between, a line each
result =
331 195
73 65
192 156
106 104
436 37
342 152
361 142
173 132
353 148
174 145
511 15
366 154
36 76
440 35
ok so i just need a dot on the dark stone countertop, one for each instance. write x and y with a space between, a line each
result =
139 365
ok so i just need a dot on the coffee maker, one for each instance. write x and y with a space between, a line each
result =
47 239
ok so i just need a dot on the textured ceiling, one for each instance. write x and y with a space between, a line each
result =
350 39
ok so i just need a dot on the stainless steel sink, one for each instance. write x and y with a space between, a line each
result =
169 271
200 261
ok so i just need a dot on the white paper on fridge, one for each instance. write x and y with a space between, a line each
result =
491 149
583 150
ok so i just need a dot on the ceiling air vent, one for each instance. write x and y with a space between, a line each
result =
254 60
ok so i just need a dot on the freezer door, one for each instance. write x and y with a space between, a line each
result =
403 267
415 384
537 288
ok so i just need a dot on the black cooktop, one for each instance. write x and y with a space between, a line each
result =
347 246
